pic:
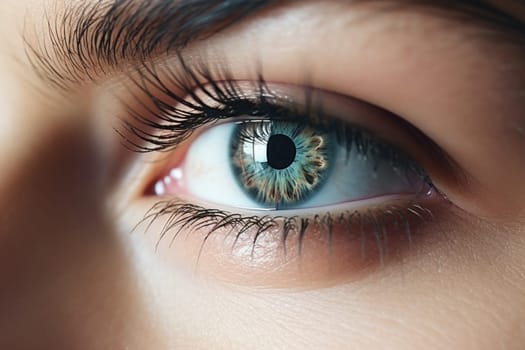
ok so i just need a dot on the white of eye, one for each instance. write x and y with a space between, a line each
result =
208 175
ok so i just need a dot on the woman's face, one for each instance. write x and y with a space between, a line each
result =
262 174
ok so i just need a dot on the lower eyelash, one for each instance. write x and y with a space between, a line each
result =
374 224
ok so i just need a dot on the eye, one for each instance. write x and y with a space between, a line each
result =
277 182
287 162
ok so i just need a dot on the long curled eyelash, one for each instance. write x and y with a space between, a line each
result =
167 126
374 224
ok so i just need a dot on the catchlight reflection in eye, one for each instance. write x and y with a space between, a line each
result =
286 165
280 164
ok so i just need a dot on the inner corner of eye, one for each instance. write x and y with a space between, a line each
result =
277 165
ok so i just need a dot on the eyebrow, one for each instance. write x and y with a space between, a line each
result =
91 39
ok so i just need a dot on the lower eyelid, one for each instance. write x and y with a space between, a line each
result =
254 250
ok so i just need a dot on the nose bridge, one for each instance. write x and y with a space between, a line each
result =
48 163
64 272
20 105
15 124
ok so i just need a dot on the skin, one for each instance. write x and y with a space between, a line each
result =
73 277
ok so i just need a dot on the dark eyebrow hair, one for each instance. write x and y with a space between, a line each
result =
89 40
95 37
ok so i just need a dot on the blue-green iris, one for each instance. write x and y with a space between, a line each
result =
280 164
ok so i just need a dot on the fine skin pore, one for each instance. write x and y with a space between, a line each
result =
77 272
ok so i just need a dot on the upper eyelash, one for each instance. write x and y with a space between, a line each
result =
220 87
170 125
177 123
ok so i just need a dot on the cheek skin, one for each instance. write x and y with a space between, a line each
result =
456 293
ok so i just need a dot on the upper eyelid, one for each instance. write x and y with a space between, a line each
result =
91 41
174 128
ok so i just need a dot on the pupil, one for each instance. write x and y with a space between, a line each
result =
280 151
